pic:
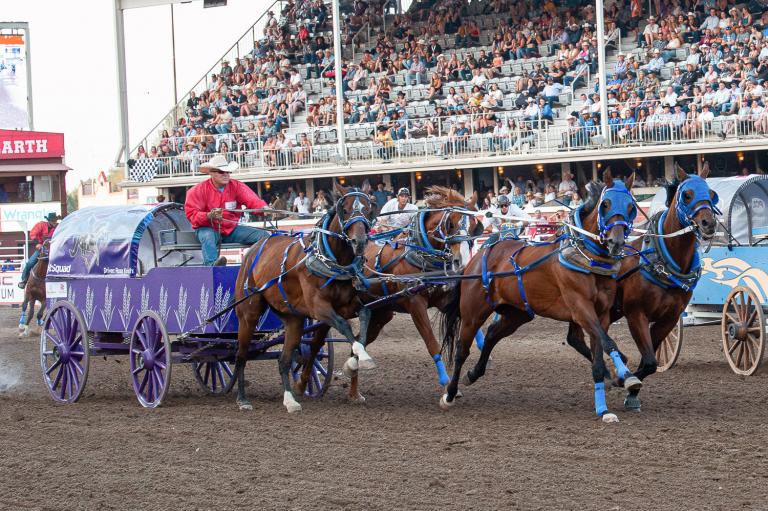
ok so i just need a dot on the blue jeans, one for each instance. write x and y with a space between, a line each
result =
29 265
209 240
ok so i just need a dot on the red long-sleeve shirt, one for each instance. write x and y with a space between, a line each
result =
204 197
41 231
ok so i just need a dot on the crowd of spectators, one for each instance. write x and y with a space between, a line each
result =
698 60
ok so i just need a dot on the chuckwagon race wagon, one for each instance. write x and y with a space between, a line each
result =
129 280
733 288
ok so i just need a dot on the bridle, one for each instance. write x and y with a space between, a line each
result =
621 199
442 233
701 196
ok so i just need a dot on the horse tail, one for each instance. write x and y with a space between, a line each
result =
450 323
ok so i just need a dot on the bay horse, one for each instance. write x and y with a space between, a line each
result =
301 279
577 286
437 240
655 285
34 291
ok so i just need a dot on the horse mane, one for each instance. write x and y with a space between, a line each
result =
671 189
594 189
442 197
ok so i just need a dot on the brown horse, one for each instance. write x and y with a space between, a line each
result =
519 280
437 241
299 280
34 291
655 287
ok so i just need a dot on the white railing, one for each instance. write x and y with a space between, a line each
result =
520 141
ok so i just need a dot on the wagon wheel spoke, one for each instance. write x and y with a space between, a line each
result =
225 367
55 364
319 367
208 367
64 382
748 352
740 355
72 381
141 336
220 374
143 381
78 367
736 342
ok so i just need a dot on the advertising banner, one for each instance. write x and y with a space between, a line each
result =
22 217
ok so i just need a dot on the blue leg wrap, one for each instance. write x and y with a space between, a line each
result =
23 318
621 369
600 406
442 375
480 339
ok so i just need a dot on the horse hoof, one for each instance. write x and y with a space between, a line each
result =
465 380
359 399
633 384
446 405
459 394
245 406
349 369
293 407
632 403
366 364
298 389
609 418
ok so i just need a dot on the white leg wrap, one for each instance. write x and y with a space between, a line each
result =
290 403
350 367
364 359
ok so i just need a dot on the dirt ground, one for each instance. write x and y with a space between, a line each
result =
524 437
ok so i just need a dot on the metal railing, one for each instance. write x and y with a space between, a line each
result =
521 140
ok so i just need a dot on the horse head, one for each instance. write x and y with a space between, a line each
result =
613 211
693 202
354 211
447 229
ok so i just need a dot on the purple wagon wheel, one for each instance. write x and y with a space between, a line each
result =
64 352
150 356
321 374
214 377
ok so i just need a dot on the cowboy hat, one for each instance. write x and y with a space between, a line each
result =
219 162
52 217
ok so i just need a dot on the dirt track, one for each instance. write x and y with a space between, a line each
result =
525 437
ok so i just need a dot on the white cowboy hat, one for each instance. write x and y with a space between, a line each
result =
219 162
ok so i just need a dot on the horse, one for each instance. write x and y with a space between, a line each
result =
318 280
654 288
35 291
437 240
576 286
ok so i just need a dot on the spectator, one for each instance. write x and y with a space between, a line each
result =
301 204
399 203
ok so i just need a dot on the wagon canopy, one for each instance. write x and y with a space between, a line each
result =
112 241
743 201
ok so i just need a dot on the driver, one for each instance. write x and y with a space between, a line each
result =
42 231
494 222
400 203
210 208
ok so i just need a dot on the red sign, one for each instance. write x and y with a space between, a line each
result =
17 145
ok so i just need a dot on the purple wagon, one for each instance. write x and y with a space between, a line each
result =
128 280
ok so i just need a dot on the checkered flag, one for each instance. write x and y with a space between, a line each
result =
143 170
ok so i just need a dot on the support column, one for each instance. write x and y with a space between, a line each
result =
699 164
600 15
565 166
122 84
387 180
309 188
594 171
669 168
414 198
757 170
469 178
259 190
495 180
339 92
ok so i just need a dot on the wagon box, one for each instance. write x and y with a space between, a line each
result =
129 280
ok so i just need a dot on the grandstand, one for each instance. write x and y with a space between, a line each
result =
470 94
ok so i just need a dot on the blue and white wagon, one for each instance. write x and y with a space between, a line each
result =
733 288
129 280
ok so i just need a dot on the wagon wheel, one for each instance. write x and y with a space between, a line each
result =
321 374
669 348
215 377
64 352
150 356
743 329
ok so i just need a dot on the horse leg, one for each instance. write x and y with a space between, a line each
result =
505 325
466 337
364 360
40 313
318 340
379 318
417 307
23 318
31 314
586 317
294 327
647 339
247 319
